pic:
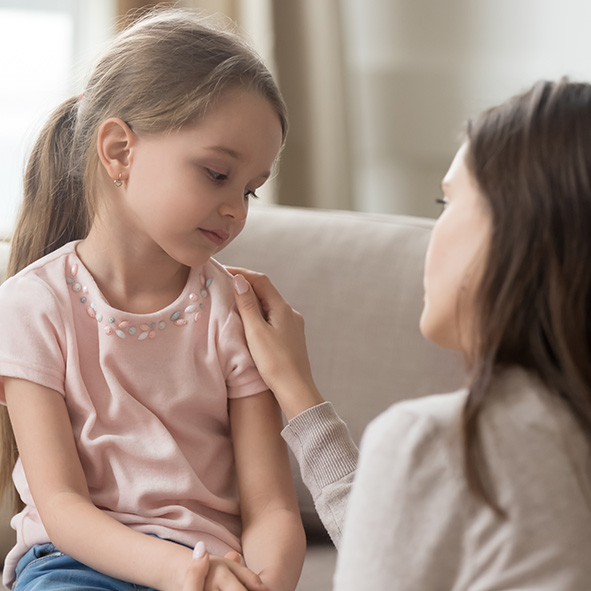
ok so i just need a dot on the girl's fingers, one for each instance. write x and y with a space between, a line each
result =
248 578
234 557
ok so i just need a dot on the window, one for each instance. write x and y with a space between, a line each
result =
45 45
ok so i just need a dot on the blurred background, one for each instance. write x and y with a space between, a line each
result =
377 90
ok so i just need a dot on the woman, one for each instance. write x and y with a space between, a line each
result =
461 491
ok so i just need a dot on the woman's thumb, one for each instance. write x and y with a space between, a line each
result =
197 573
241 286
246 300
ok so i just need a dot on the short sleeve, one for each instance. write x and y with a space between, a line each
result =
404 519
240 372
30 328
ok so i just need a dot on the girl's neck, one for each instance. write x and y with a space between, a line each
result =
136 278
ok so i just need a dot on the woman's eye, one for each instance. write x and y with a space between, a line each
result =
442 201
252 194
216 176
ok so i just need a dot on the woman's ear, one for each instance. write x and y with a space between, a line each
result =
114 143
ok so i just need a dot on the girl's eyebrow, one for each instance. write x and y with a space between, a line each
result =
227 151
236 156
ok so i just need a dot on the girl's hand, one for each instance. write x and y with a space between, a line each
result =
212 573
277 343
227 574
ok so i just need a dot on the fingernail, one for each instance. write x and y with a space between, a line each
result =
199 551
240 285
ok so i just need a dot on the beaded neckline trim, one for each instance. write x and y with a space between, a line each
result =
124 328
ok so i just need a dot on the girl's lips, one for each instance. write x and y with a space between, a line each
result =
216 236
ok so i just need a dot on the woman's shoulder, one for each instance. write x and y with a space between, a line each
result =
517 407
426 427
433 413
522 413
516 400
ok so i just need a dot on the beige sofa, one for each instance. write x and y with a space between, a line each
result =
357 279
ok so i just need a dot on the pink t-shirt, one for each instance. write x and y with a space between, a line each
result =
147 397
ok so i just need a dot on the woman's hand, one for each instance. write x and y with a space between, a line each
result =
277 343
198 571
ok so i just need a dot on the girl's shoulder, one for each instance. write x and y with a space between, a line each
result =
219 271
215 279
47 275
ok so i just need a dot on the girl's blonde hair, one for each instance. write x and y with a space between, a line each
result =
158 75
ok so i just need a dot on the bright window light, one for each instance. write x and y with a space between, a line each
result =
37 50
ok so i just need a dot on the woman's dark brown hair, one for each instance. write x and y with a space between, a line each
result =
531 158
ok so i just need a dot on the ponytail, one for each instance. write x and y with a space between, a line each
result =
53 212
162 73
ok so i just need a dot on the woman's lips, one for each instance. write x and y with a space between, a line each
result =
216 236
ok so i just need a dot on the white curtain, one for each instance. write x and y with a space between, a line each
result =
378 90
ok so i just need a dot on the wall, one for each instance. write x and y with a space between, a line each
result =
417 69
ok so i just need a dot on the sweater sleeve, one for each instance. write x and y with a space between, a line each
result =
327 456
404 518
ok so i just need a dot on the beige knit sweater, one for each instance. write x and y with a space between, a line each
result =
412 524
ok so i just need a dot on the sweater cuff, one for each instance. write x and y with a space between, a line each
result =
322 445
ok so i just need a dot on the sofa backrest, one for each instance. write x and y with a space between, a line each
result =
358 281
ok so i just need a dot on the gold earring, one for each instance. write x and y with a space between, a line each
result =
118 182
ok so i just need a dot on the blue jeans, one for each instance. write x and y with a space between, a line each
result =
45 568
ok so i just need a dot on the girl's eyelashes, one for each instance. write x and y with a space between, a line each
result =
442 201
216 176
219 177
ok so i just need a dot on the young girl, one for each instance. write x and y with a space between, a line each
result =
490 487
142 424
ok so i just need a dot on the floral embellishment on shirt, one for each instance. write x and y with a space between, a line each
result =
123 328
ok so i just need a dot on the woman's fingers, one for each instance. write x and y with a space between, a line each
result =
249 307
196 574
277 342
262 286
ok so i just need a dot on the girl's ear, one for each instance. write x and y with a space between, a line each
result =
114 143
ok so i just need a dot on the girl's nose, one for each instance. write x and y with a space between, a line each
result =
235 206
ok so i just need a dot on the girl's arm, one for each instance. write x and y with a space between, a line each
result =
273 539
47 449
318 438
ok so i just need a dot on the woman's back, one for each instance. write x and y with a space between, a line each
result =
439 535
